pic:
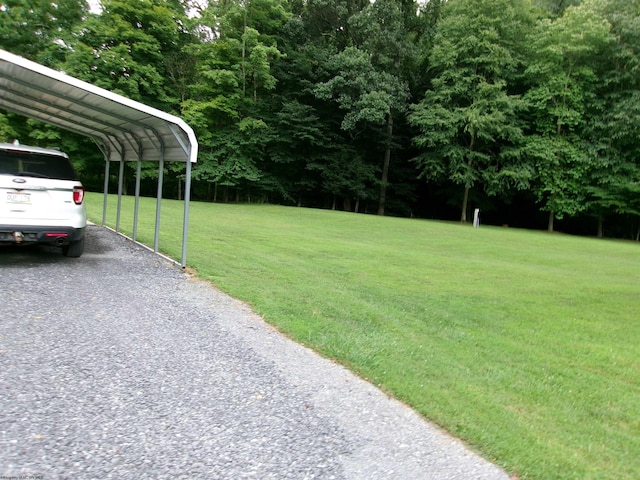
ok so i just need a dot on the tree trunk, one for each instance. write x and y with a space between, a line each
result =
600 227
465 200
467 185
244 76
550 223
385 166
255 88
244 53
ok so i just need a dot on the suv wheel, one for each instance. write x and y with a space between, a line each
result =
74 249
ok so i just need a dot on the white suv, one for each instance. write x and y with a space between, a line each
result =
41 199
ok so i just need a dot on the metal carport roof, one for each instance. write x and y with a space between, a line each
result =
125 130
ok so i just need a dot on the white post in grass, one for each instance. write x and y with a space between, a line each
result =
476 218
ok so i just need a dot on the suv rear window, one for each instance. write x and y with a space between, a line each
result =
30 164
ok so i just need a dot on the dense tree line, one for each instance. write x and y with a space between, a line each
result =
526 109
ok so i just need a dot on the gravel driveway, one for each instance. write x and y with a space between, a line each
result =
119 365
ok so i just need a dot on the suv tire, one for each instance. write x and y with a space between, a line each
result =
74 249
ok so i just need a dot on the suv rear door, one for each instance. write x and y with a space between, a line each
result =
35 188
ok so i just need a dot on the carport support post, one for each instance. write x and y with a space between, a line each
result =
137 201
120 183
107 164
185 222
156 237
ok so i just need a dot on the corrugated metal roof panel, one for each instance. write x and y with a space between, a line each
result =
127 129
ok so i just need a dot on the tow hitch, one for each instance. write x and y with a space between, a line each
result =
18 237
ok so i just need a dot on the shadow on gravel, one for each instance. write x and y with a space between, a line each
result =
29 255
34 255
94 244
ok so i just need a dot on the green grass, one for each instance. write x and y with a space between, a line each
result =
524 344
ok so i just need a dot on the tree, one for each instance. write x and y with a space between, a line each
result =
7 132
39 29
327 21
556 7
125 47
468 120
367 95
233 75
614 125
299 147
135 49
309 150
563 80
368 81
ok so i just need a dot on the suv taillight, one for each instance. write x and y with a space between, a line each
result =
78 195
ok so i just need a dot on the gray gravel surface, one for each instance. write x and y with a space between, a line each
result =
119 365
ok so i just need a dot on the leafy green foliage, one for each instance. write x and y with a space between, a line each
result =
124 49
468 116
365 93
39 29
369 80
7 132
615 122
563 78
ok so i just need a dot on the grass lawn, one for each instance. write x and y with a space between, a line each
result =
525 345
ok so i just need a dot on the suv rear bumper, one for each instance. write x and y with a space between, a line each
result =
21 234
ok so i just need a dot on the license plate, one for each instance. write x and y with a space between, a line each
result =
23 198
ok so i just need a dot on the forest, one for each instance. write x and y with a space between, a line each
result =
528 110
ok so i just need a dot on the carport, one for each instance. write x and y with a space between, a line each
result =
123 129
